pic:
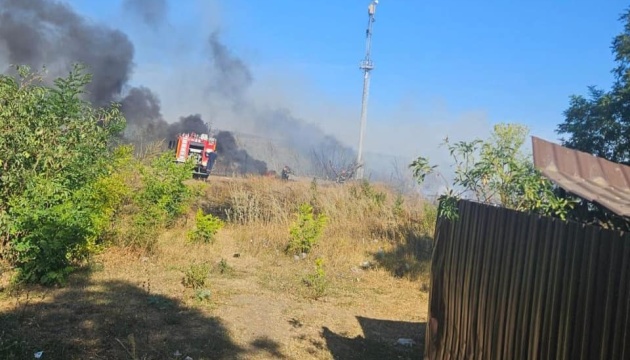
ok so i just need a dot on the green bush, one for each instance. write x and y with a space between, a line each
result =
206 227
159 197
316 281
306 231
196 276
164 187
55 152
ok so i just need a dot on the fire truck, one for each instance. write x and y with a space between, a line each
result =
201 148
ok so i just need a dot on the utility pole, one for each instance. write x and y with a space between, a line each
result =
367 66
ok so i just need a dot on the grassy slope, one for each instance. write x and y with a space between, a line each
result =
128 305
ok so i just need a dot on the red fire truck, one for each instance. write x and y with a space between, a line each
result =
201 148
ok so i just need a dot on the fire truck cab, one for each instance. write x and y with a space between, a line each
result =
201 148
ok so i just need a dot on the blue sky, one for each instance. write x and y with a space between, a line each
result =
518 61
505 61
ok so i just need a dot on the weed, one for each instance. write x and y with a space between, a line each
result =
306 231
196 276
313 189
245 207
367 191
398 209
206 227
203 294
225 268
316 281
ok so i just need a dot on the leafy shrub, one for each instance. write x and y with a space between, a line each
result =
196 276
160 196
164 187
496 171
317 281
203 294
306 231
55 154
206 226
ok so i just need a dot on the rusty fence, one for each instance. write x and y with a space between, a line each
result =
511 285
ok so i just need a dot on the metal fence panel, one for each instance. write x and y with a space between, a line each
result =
511 285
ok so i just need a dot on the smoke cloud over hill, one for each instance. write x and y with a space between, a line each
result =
240 161
49 33
41 33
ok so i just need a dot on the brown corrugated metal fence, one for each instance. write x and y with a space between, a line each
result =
511 285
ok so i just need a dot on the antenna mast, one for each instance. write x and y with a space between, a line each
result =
367 66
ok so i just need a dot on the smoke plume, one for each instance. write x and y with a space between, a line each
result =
231 81
231 76
49 33
239 160
142 109
151 12
188 124
40 32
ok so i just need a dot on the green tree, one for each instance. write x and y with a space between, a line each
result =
495 171
55 149
600 123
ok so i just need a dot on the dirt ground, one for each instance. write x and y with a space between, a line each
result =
130 306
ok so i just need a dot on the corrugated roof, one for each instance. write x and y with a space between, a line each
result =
590 177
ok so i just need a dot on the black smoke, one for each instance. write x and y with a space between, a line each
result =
232 77
188 124
142 109
49 33
145 122
237 159
231 81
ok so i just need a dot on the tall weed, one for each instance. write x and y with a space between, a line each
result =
306 230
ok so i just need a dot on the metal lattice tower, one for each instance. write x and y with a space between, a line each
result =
367 66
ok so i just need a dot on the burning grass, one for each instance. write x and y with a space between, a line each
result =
360 288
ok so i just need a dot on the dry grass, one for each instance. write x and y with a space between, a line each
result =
127 305
366 222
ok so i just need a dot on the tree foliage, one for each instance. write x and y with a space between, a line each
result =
68 187
600 123
495 171
54 150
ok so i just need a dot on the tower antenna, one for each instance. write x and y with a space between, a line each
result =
367 66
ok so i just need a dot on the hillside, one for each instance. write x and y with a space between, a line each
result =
241 296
